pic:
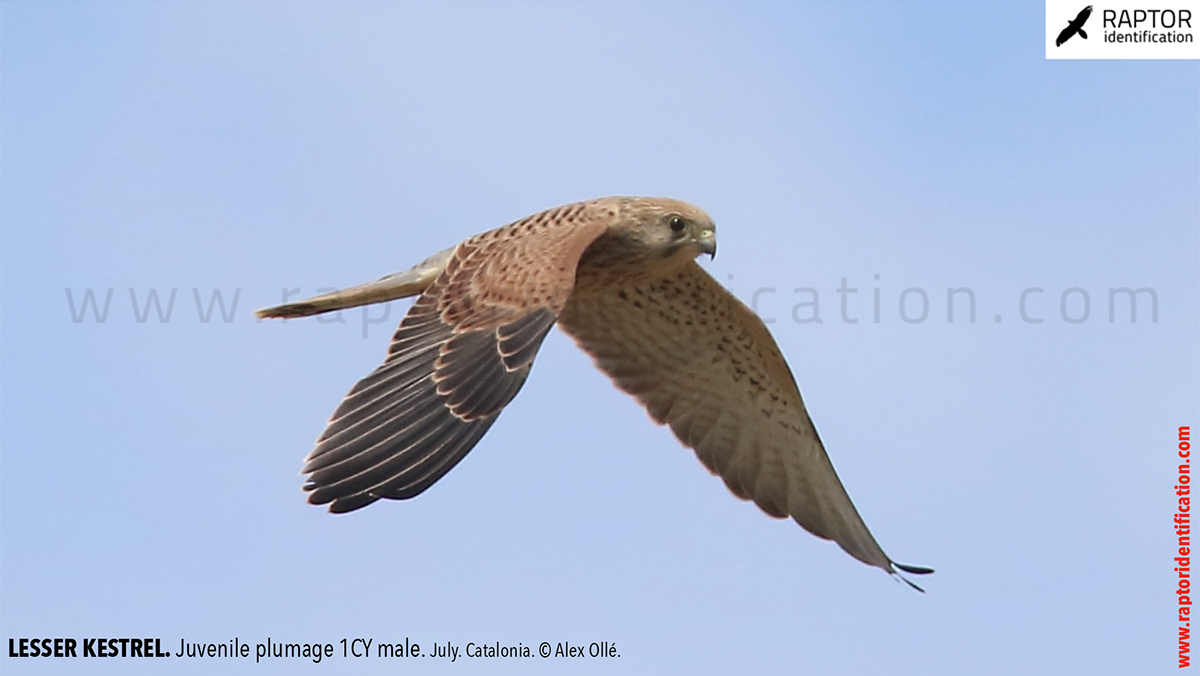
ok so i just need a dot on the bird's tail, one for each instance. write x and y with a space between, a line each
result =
1082 33
400 285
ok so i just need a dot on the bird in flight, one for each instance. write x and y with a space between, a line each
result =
1074 27
619 276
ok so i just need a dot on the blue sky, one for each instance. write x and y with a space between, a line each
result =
149 478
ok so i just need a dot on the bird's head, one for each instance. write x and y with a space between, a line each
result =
665 229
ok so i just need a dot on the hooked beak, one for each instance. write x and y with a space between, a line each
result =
708 243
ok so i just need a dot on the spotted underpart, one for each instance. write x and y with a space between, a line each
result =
684 348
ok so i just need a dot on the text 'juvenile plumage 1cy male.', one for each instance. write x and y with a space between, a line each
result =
619 276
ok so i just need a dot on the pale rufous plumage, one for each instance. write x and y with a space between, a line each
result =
618 275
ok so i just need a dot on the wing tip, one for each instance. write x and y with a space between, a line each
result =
911 570
338 504
915 570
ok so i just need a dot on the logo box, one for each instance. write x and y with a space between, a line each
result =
1133 29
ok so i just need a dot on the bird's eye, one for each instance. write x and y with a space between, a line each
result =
677 224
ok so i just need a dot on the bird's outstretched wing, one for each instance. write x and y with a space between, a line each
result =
702 362
1081 19
459 356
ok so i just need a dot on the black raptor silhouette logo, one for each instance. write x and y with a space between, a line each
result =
1074 27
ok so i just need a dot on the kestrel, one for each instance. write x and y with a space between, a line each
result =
619 276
